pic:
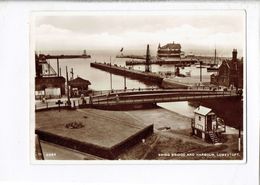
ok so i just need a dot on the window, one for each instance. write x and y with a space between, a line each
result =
199 118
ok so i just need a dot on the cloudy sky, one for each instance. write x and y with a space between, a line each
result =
197 31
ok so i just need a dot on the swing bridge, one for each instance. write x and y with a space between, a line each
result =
153 96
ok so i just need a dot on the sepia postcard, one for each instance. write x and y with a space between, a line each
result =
139 86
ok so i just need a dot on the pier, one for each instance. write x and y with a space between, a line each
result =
134 74
42 56
179 62
131 56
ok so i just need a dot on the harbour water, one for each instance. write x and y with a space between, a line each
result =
100 80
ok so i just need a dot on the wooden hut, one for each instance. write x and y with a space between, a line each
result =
79 86
207 125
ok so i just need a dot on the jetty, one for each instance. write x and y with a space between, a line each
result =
134 74
44 57
131 56
180 62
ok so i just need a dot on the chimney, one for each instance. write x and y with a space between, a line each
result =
234 58
234 54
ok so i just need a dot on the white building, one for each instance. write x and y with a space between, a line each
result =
207 125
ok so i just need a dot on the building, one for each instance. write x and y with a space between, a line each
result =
230 72
207 125
79 86
48 83
170 50
49 87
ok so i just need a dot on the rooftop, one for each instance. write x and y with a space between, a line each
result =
171 46
79 81
202 110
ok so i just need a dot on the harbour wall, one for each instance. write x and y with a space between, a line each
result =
170 84
134 74
179 62
146 77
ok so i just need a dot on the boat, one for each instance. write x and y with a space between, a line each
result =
212 69
201 66
188 73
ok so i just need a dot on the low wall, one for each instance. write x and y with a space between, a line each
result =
123 107
169 84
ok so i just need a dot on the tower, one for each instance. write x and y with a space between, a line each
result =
234 58
234 54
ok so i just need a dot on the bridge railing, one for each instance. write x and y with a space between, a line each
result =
159 98
105 92
194 87
63 104
49 105
119 92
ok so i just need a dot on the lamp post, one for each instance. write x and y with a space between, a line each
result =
67 80
239 138
111 86
58 68
125 80
200 72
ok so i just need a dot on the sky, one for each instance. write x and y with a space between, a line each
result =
197 31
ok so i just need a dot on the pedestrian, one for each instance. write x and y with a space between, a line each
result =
90 99
117 98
